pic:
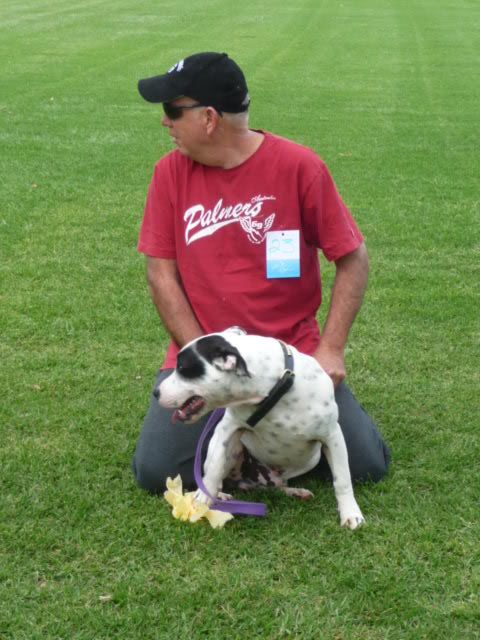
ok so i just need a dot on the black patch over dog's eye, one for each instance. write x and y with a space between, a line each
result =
189 365
216 347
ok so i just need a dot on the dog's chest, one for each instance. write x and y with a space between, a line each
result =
283 439
289 435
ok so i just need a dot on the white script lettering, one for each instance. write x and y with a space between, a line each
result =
201 222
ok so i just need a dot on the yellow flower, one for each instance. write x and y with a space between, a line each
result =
186 508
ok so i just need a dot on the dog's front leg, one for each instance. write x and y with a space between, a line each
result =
336 453
220 457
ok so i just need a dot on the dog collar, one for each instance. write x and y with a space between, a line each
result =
278 391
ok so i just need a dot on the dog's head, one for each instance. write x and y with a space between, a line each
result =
210 373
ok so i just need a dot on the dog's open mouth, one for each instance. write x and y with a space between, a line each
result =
189 409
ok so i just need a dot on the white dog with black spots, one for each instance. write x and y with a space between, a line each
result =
237 371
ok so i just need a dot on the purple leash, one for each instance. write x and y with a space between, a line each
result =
235 507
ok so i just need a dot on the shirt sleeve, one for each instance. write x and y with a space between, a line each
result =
328 222
157 236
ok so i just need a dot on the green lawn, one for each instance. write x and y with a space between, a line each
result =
387 92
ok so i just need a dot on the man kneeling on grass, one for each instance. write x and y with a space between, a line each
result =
233 223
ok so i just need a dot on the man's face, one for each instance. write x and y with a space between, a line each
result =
187 131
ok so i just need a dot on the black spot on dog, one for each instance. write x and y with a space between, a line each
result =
215 347
189 365
253 470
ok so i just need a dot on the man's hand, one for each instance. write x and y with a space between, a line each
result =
333 362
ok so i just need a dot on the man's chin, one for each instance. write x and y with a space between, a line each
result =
188 153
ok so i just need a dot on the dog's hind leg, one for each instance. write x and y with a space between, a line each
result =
336 454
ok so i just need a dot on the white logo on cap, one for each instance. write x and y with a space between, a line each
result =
177 67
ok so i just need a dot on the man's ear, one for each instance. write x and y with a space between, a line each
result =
212 119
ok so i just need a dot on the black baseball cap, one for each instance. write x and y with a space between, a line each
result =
213 79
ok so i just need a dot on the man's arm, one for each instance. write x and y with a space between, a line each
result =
169 298
347 295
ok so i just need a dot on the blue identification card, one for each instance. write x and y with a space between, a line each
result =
283 254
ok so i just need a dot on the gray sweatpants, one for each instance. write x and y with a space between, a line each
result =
164 449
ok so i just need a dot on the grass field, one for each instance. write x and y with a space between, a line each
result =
387 92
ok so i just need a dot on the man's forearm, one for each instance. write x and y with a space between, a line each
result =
170 300
347 295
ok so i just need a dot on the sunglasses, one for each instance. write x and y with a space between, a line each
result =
175 112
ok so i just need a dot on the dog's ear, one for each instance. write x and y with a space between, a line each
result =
222 355
231 360
238 330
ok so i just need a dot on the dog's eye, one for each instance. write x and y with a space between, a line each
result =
189 365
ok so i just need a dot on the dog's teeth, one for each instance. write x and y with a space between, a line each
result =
189 408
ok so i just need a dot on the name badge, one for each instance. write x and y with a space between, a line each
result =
283 254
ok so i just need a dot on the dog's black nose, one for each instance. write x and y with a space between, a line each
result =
156 392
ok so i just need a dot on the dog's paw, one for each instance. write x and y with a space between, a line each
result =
352 520
224 496
350 514
300 494
202 498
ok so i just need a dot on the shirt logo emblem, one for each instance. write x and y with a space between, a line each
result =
200 223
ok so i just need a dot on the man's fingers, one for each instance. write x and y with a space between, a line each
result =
337 377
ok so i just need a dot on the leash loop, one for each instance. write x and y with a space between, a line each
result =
235 507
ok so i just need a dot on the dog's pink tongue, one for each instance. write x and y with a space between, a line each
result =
178 415
188 409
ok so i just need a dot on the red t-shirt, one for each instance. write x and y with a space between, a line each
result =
214 222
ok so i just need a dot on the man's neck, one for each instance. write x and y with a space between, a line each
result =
233 151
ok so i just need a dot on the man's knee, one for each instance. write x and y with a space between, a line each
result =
151 475
148 476
365 467
372 467
369 456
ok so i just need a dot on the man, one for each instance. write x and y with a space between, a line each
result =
233 222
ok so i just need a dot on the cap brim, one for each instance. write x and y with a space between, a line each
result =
158 89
